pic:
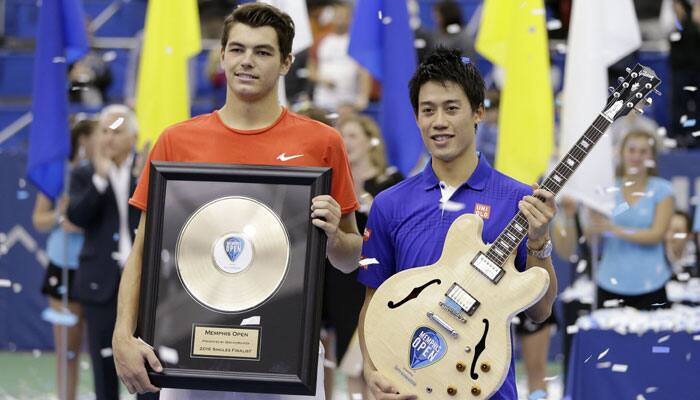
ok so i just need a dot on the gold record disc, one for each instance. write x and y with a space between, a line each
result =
232 254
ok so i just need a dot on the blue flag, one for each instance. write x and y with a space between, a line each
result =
61 39
381 40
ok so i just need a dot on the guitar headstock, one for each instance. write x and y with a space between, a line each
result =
632 90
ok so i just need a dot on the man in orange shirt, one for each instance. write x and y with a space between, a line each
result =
251 128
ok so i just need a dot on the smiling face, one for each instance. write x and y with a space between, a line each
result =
252 62
446 120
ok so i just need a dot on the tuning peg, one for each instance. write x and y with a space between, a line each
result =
620 79
611 89
649 101
628 69
639 110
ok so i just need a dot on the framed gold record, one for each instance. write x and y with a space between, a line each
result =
232 277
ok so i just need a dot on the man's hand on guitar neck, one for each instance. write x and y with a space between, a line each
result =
381 388
539 214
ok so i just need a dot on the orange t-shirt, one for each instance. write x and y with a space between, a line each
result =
292 140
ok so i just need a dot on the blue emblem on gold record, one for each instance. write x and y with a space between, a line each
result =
233 247
427 348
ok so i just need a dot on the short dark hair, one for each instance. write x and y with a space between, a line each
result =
81 128
686 217
257 15
447 65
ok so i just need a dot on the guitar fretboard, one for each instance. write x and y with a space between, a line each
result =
516 230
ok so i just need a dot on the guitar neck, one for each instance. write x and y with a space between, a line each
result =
516 230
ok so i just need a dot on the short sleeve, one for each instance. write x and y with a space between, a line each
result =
342 186
378 245
158 153
662 189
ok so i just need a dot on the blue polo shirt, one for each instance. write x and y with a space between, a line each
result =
407 226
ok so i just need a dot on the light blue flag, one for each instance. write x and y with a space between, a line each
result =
381 40
61 39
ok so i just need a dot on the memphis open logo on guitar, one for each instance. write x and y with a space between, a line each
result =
427 348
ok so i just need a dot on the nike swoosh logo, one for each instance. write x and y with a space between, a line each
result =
284 157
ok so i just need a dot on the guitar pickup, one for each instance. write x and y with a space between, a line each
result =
487 267
457 296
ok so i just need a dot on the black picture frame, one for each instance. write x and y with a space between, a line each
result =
288 330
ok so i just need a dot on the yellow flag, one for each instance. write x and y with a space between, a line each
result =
513 35
171 36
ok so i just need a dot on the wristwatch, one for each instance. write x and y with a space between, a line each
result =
544 252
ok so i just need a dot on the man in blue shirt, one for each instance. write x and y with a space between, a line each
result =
408 222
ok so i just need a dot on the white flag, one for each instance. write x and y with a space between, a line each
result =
601 32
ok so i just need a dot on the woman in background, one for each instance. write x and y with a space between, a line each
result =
633 270
63 247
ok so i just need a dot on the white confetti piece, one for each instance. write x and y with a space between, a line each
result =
386 20
619 368
696 338
165 256
604 364
612 189
689 123
683 276
651 389
560 48
660 349
375 142
573 258
581 266
661 131
571 329
109 56
419 43
612 303
670 143
16 287
368 261
84 365
379 14
663 339
36 353
650 163
588 358
357 396
690 88
255 320
117 123
628 183
680 235
106 352
451 206
695 134
553 24
640 397
604 353
332 116
674 36
551 378
168 355
453 29
58 60
613 281
5 283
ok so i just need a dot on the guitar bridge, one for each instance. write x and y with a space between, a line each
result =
487 267
459 299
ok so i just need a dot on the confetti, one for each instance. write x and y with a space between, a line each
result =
680 235
375 142
109 56
419 43
663 339
683 276
696 338
695 134
573 258
660 349
168 355
551 378
36 353
589 357
604 353
386 20
675 36
649 163
581 266
453 29
689 123
582 239
22 183
332 115
651 389
687 357
22 195
619 368
613 281
612 303
117 123
628 183
451 206
165 256
16 287
572 329
612 189
661 131
168 50
605 364
670 143
58 60
368 261
255 320
106 352
5 283
115 237
84 365
303 73
640 397
553 24
690 88
379 14
537 11
94 286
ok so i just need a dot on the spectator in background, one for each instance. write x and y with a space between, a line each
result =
680 247
338 79
487 131
99 192
63 247
684 58
90 77
450 30
633 270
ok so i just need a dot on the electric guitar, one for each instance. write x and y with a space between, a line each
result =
443 331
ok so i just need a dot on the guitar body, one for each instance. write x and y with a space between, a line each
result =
467 357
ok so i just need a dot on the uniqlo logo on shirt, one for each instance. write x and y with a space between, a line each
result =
366 234
482 210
